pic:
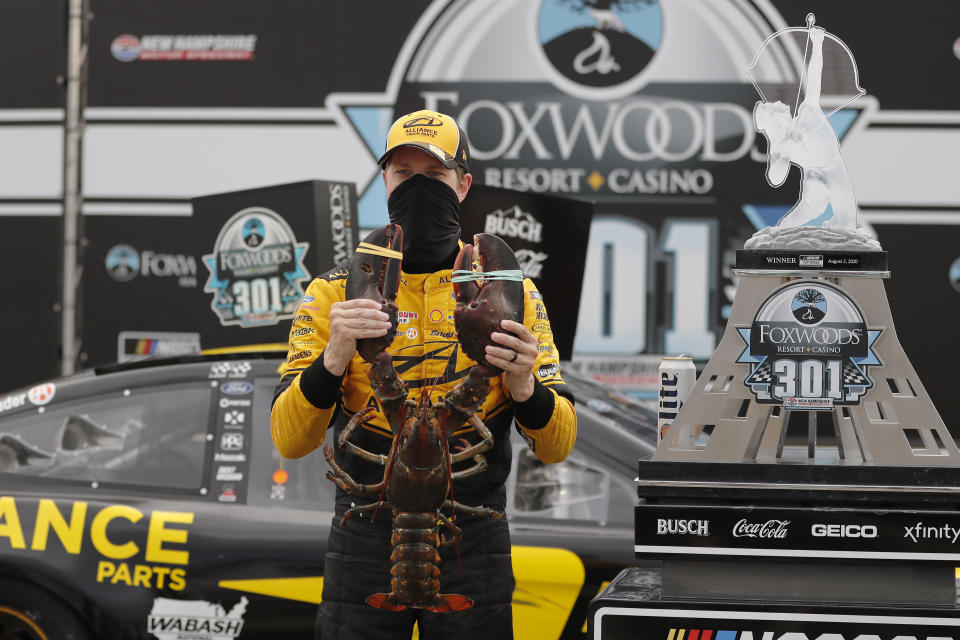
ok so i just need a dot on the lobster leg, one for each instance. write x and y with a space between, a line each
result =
480 447
479 467
346 445
483 512
343 480
364 508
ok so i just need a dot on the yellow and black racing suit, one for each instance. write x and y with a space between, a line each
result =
428 357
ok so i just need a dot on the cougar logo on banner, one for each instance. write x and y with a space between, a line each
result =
256 270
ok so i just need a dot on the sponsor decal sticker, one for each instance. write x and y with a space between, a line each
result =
229 457
436 315
229 369
12 401
548 370
147 550
299 355
256 270
231 441
195 620
42 393
236 388
411 333
234 417
226 403
229 473
404 317
138 345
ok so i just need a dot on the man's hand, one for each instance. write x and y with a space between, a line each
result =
350 320
516 357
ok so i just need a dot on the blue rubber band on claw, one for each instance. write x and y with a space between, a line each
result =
464 275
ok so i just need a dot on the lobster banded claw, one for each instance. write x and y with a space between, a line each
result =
483 303
374 274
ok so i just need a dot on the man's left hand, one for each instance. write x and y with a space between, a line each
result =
516 357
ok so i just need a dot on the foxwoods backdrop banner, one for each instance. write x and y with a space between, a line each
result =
641 107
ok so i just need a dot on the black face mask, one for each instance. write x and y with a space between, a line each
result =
429 213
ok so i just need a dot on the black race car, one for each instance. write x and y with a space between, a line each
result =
146 500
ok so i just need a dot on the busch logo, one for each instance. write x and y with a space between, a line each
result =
514 223
667 526
776 529
531 262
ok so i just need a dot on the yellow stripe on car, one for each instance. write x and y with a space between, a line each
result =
548 583
301 589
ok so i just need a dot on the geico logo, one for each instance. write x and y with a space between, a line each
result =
843 531
123 543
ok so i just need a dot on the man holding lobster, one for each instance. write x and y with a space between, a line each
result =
425 167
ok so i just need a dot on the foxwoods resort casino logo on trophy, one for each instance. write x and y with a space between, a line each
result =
810 348
825 216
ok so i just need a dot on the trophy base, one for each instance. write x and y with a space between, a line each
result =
638 604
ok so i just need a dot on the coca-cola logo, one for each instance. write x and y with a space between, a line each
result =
771 529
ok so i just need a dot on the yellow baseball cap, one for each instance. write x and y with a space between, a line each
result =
435 133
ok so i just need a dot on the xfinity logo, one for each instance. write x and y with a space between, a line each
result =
843 531
919 532
772 529
667 526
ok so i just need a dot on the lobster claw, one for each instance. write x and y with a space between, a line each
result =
374 273
482 304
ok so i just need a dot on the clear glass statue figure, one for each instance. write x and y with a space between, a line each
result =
825 216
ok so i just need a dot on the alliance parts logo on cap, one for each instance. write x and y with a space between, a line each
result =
433 132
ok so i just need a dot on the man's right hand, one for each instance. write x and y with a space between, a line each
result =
349 321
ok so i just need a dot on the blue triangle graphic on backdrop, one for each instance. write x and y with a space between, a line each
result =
372 123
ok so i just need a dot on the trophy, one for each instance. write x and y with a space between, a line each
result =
807 476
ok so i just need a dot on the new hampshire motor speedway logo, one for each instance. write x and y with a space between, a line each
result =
256 270
809 348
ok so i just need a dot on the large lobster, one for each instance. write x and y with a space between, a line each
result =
418 476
